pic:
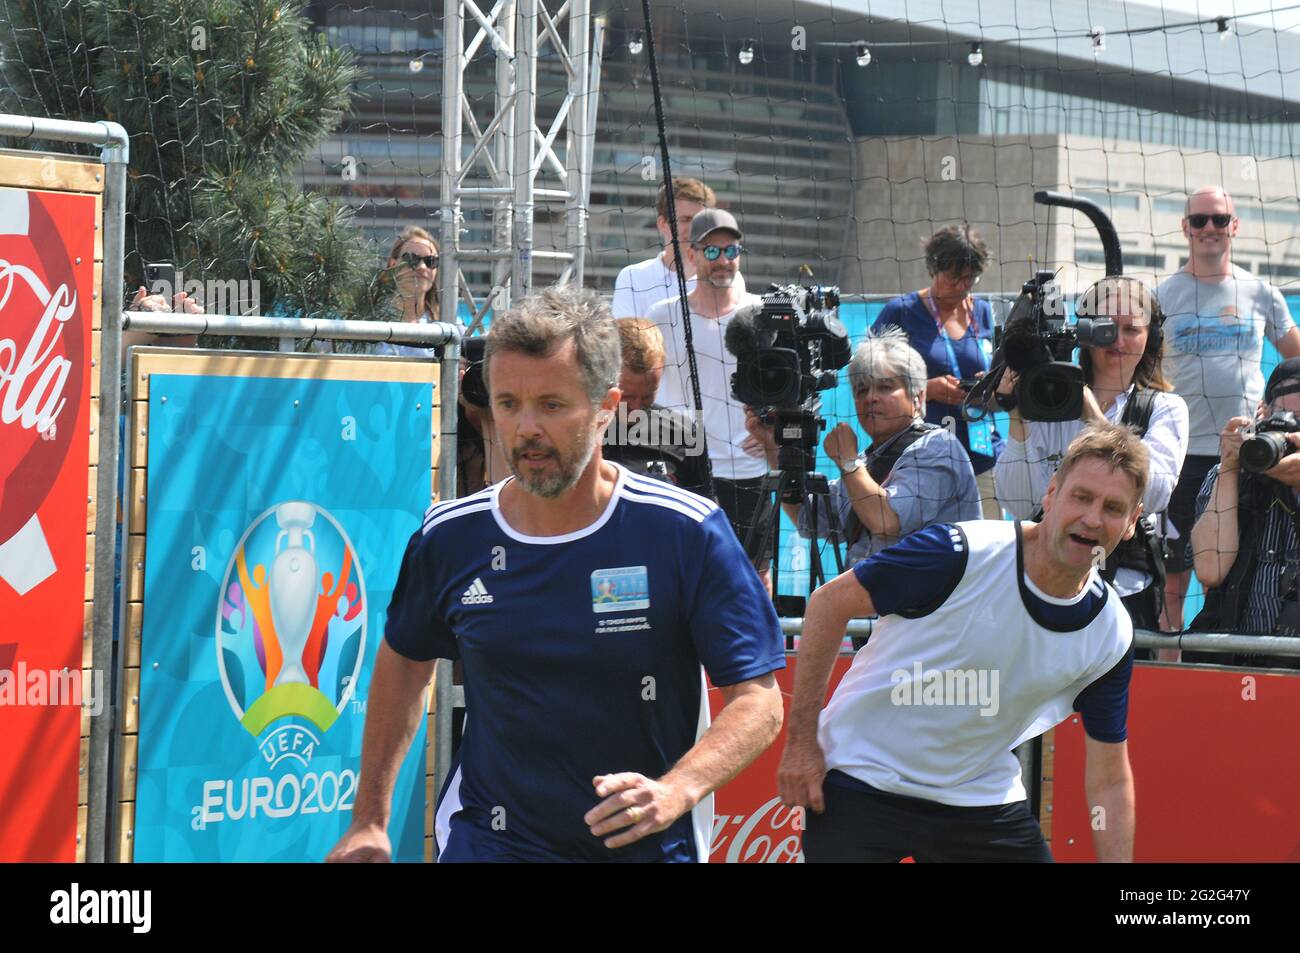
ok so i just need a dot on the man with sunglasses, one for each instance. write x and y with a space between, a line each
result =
714 255
1217 315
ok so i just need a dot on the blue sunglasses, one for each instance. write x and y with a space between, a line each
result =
714 252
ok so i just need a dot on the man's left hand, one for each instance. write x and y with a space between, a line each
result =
635 806
1287 471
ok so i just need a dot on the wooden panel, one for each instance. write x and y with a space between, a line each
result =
284 366
92 506
137 502
139 433
126 761
130 701
81 835
428 850
134 625
83 771
94 431
97 302
126 832
87 678
133 569
51 173
94 363
87 635
90 567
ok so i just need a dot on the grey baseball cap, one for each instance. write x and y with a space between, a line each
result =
709 221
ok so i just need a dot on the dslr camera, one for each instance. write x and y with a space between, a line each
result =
1267 443
1038 344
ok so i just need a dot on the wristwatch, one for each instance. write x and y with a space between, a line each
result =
851 465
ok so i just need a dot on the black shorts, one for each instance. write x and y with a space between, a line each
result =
864 825
743 504
1182 510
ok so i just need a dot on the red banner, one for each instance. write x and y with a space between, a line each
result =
1216 767
1216 764
46 282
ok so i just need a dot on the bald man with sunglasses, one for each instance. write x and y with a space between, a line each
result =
715 254
1216 318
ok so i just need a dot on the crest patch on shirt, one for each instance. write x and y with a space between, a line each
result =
620 590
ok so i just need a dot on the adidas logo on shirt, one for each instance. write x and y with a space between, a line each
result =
476 595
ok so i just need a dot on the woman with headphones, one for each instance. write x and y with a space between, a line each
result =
1124 385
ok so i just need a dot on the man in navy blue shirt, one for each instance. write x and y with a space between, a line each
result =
585 604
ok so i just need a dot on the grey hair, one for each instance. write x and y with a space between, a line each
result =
541 324
887 353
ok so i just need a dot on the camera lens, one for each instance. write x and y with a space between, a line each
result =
1263 451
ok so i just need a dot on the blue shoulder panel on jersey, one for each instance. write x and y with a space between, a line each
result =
1104 703
916 575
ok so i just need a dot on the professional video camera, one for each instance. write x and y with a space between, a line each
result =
472 387
787 350
1038 343
1267 443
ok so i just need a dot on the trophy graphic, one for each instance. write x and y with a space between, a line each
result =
293 583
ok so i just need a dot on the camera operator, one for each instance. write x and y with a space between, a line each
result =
1124 385
1246 540
648 439
714 256
914 475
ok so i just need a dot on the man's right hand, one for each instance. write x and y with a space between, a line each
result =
761 442
1230 441
362 844
800 775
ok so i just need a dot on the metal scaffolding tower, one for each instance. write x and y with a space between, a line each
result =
510 160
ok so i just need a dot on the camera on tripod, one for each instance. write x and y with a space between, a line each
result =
1038 344
788 349
1267 444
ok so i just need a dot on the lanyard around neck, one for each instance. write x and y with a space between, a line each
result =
971 331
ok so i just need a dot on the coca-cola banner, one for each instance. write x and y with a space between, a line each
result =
46 298
750 825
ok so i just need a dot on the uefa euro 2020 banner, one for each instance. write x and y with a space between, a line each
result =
278 512
46 306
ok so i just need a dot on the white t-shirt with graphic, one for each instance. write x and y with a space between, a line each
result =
1214 338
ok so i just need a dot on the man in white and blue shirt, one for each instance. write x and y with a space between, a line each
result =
586 605
990 633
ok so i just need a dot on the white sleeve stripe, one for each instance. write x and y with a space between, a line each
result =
464 511
634 497
666 490
442 506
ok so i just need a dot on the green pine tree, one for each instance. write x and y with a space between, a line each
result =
222 100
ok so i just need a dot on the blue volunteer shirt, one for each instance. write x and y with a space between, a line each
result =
917 575
582 656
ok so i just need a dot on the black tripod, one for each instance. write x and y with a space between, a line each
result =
794 481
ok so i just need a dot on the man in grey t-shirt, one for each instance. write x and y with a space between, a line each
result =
1216 317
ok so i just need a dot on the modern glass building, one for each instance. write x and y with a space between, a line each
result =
848 168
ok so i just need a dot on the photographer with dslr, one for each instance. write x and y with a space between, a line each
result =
1246 540
953 332
1124 384
914 475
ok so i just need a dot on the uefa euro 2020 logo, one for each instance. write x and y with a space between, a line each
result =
291 627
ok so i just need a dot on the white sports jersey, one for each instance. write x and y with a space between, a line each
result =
933 704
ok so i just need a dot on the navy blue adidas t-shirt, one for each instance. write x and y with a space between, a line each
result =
924 568
582 656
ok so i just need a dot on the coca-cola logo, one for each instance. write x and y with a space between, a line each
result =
770 835
42 357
